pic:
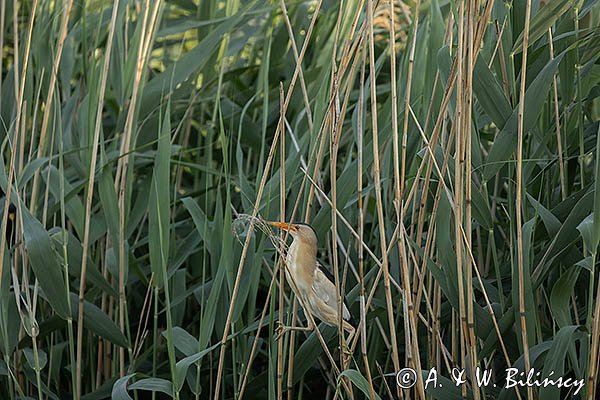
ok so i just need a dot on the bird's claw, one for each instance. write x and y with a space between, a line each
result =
345 352
279 330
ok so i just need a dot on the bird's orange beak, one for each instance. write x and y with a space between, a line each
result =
281 225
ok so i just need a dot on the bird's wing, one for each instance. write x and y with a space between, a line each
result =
324 288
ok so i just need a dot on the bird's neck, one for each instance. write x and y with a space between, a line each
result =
303 256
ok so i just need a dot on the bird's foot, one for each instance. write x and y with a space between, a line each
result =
346 353
280 329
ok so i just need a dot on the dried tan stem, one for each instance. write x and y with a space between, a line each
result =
519 196
49 98
379 197
90 192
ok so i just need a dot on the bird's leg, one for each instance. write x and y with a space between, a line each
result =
347 343
280 329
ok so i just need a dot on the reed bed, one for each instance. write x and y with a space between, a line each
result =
447 154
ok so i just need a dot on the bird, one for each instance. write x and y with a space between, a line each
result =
311 281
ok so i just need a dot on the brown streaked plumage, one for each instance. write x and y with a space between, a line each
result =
310 280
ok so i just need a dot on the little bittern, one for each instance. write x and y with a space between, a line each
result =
312 282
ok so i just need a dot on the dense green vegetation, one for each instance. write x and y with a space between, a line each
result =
450 175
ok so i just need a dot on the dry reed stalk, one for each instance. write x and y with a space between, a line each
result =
519 194
410 319
257 204
333 152
411 224
49 98
309 316
292 344
481 28
127 131
374 258
288 24
282 191
400 171
442 185
340 120
343 65
348 90
436 82
429 242
411 334
411 62
318 158
243 383
490 311
18 132
417 289
16 50
503 71
429 308
121 178
561 165
90 192
104 307
338 115
334 118
35 113
347 357
142 331
362 328
458 191
423 202
478 37
322 135
467 125
346 54
436 130
280 246
499 32
19 233
148 28
377 261
379 198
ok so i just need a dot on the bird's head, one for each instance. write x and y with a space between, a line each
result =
298 230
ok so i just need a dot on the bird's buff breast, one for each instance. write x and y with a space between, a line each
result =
300 274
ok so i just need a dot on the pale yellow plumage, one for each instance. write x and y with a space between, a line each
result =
310 280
